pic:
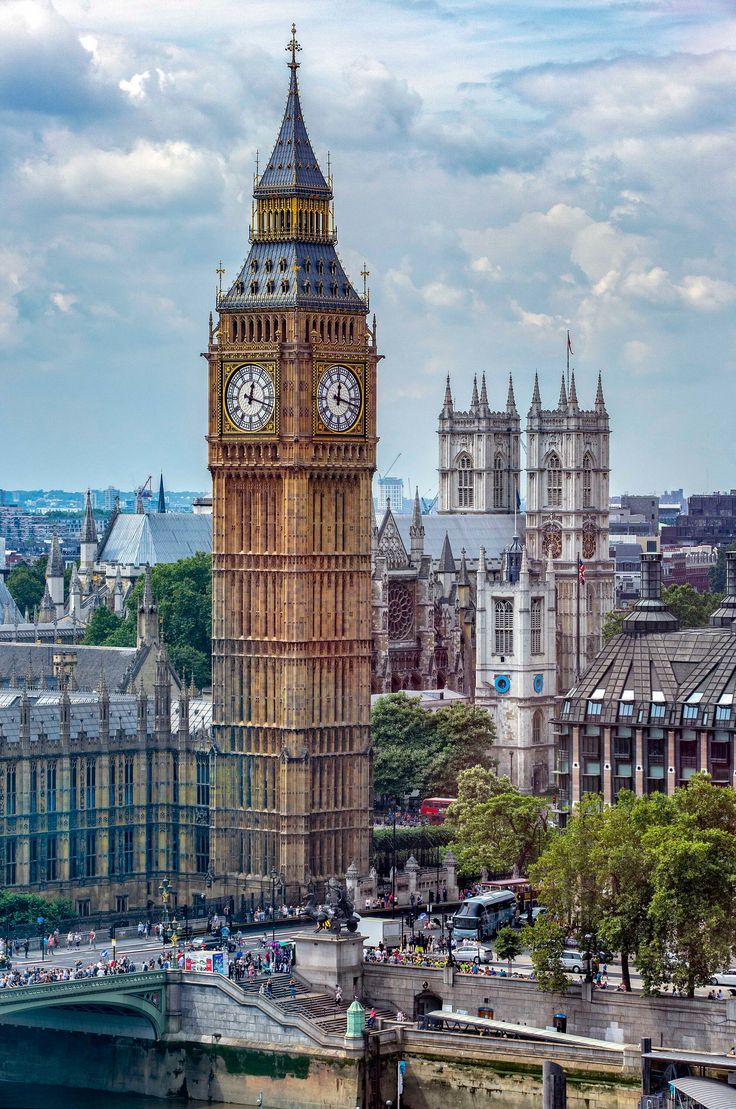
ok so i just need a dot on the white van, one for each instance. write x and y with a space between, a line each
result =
572 960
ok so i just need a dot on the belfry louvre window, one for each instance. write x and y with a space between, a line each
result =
203 781
587 481
465 482
554 480
536 625
498 482
504 629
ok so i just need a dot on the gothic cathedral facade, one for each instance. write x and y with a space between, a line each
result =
292 443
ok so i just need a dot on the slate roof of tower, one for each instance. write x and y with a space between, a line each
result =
139 538
118 664
84 714
293 253
293 165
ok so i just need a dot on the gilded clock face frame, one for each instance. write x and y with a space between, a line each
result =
339 399
249 399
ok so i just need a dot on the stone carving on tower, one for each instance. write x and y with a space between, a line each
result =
567 518
479 454
292 437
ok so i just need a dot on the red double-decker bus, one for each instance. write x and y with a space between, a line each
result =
434 809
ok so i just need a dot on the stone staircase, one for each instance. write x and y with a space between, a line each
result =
314 1006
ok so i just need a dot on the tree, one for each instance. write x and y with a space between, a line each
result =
17 909
546 942
26 584
183 592
613 623
566 875
504 831
717 573
509 944
691 608
464 737
402 745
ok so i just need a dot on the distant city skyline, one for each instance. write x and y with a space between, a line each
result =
507 172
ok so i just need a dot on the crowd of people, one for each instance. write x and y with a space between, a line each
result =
100 968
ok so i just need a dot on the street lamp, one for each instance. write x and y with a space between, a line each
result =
588 958
275 877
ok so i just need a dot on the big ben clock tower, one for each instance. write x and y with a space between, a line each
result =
292 446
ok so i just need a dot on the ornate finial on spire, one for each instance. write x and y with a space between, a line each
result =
365 274
562 402
510 398
483 392
220 271
474 402
536 396
294 47
572 400
600 404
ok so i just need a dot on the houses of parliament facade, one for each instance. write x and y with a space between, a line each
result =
315 605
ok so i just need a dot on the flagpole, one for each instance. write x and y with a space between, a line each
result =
577 623
568 361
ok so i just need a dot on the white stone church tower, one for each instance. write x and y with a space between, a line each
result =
479 455
567 519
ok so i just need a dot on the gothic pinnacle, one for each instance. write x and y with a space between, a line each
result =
572 400
562 402
536 396
600 404
447 406
511 399
483 392
474 402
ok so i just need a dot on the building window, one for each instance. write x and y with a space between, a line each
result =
657 711
587 481
689 712
10 867
723 712
504 629
536 626
203 780
554 480
127 852
90 784
33 798
84 907
282 265
128 772
498 482
51 786
537 727
465 482
10 793
121 904
202 849
90 859
175 779
51 860
626 708
566 708
594 708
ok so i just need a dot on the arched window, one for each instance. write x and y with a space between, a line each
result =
554 480
282 265
537 727
284 286
464 482
504 630
498 481
536 626
267 265
587 481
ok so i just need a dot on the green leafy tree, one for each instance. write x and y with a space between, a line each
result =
183 592
509 944
402 745
504 832
613 623
566 876
26 584
463 737
18 909
691 608
546 942
717 573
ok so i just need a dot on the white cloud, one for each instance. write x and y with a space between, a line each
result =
63 301
707 294
441 295
136 86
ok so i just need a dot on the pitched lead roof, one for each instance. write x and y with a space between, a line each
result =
293 164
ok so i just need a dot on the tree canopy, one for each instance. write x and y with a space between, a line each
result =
183 593
495 826
691 608
18 909
415 749
717 573
651 877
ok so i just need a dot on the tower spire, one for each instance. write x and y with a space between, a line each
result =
447 403
474 402
562 402
600 404
161 496
572 400
536 396
483 393
511 399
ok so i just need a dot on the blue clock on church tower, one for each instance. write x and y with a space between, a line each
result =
538 683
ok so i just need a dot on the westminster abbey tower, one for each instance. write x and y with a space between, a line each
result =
292 440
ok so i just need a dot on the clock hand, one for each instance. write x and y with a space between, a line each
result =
338 396
250 395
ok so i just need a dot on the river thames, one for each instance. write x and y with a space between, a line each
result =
33 1096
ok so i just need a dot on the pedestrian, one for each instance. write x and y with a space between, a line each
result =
26 945
269 989
338 995
92 938
292 988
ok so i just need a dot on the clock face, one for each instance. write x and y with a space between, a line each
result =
250 397
339 398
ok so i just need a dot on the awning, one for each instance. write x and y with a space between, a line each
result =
706 1092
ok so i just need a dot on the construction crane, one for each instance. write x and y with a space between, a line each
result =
146 490
388 471
428 505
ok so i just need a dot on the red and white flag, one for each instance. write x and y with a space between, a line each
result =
581 571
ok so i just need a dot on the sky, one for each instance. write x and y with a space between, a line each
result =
507 170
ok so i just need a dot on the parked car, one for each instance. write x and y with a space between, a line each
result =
725 978
573 961
472 953
537 911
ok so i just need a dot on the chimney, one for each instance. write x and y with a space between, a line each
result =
649 614
725 615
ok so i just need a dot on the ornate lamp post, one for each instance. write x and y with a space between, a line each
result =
275 877
165 890
450 959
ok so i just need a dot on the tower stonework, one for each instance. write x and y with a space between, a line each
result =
567 519
292 443
479 454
